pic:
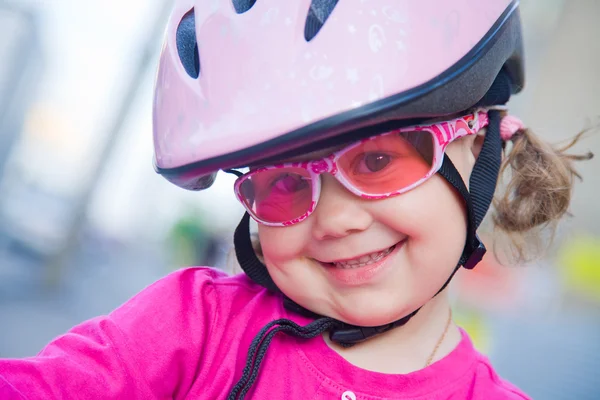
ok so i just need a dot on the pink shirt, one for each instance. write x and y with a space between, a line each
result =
187 337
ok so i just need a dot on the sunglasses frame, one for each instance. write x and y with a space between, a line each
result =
443 134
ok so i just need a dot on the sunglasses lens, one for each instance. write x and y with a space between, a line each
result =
277 195
389 163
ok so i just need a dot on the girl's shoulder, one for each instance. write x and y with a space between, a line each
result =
221 298
208 284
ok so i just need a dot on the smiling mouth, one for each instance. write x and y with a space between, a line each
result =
362 261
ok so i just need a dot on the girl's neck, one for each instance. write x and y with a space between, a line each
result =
408 348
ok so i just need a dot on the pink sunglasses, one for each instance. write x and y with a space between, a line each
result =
382 166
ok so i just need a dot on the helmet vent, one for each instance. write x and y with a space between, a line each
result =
241 6
318 13
187 45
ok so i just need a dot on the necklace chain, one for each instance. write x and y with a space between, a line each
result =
440 340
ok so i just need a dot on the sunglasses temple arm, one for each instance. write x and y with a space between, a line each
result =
234 172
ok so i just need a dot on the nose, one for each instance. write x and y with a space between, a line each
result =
339 212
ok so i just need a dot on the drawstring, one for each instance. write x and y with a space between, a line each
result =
261 343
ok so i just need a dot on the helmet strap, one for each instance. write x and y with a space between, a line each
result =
482 184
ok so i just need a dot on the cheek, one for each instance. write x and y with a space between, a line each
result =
434 218
284 251
282 244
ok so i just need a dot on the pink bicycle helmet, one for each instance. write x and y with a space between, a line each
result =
242 82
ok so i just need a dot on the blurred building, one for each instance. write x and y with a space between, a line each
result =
20 72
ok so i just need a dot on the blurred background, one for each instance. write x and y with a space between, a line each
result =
85 222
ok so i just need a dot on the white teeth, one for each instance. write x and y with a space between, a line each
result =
364 260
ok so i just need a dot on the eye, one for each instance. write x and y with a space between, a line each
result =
289 183
372 162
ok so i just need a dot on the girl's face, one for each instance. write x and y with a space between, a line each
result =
370 262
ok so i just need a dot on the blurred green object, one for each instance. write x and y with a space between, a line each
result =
189 240
579 265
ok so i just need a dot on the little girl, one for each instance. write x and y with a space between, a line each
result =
374 133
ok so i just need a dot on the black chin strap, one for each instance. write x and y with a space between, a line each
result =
246 257
482 182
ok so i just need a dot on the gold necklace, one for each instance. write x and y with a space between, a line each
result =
440 340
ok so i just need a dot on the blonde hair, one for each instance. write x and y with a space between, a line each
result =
537 194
